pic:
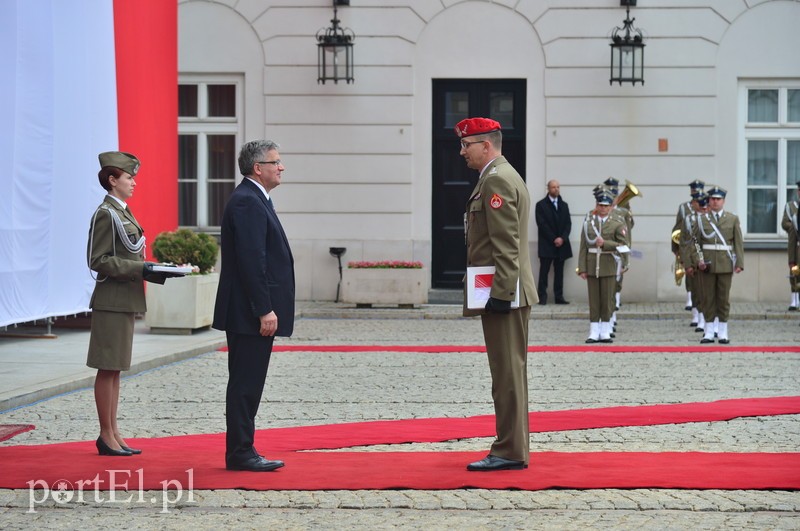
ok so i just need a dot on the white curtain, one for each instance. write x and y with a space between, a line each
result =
58 110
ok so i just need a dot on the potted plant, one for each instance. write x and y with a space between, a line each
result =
385 282
184 304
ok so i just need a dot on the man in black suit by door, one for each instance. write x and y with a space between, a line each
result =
554 223
255 298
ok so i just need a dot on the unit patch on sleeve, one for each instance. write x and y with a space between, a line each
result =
496 201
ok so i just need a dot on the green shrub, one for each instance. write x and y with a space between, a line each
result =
187 247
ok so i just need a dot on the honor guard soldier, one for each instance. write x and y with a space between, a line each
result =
626 214
686 208
789 224
687 246
604 239
719 236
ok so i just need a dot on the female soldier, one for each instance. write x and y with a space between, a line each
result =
116 254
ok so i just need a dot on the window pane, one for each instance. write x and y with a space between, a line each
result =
187 157
456 108
187 100
222 100
501 108
761 205
762 162
794 105
221 157
187 180
221 174
762 106
792 163
218 193
187 203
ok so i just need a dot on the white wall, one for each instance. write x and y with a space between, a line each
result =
358 156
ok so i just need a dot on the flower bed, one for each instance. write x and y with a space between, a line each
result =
385 282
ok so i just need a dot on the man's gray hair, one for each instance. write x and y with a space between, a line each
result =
253 152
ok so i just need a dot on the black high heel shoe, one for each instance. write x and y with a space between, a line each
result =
134 451
104 449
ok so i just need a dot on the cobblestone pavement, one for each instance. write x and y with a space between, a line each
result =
305 388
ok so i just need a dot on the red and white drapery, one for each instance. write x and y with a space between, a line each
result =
78 78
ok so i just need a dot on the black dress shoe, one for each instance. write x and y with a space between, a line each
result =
687 308
542 302
693 324
706 340
699 329
561 301
491 463
104 449
590 340
792 308
255 464
724 341
134 451
607 340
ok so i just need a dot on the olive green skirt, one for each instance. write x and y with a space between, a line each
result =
111 341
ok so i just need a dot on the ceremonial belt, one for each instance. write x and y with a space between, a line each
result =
716 247
595 250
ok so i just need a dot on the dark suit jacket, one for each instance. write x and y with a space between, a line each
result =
257 274
553 223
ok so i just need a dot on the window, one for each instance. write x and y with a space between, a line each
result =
210 128
772 153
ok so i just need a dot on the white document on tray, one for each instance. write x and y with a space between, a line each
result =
479 286
181 270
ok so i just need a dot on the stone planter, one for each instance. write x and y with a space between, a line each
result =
181 305
404 287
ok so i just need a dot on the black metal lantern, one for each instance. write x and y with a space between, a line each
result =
627 50
335 50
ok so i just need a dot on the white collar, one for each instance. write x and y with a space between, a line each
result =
487 165
263 190
122 203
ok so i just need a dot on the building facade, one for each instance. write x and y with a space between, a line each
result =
374 166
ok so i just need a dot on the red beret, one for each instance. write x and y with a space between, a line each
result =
476 126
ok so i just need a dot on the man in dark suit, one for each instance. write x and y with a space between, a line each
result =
552 218
255 299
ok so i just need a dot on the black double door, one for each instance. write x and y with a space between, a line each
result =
453 100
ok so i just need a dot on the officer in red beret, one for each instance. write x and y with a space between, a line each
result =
497 235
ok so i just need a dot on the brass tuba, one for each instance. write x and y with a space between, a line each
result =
629 192
677 267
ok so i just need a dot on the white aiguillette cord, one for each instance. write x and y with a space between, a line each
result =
132 247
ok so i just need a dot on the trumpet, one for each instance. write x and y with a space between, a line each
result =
678 270
629 192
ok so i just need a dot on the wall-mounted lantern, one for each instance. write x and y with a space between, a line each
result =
627 50
335 50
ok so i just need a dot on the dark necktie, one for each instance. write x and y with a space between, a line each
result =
271 206
555 204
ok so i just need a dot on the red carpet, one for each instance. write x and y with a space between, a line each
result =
168 459
541 348
9 430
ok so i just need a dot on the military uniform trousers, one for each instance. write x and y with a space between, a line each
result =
506 337
601 297
716 289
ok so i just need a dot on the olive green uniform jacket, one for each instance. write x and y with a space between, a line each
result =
497 233
788 224
119 286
